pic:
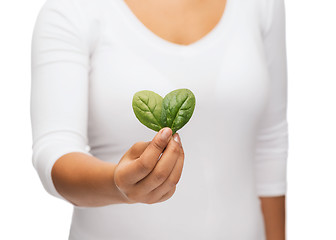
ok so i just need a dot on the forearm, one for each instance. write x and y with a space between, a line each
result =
274 211
85 180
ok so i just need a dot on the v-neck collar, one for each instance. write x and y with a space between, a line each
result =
174 48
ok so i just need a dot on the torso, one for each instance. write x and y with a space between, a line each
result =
178 21
227 71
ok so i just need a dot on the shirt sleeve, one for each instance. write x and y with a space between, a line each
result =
272 138
59 87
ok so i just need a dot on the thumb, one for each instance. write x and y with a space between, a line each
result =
158 144
148 159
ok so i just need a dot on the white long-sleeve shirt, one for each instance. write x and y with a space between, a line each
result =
88 59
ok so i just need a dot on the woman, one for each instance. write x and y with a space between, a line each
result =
90 57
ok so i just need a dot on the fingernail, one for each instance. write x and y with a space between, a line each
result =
177 138
165 134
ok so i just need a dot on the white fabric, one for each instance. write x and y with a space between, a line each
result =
90 57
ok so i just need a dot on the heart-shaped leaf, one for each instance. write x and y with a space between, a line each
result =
174 111
177 108
147 106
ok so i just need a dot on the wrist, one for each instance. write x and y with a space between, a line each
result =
117 192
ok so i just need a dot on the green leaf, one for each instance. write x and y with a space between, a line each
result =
173 111
177 108
147 106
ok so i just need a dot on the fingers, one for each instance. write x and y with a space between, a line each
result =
163 168
148 159
167 195
141 177
171 182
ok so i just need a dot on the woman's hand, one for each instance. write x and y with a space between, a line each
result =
143 175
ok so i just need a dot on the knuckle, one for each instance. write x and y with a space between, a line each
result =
143 166
170 193
135 146
175 148
134 150
141 144
159 144
161 175
173 182
173 190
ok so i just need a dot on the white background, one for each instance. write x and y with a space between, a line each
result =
28 212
